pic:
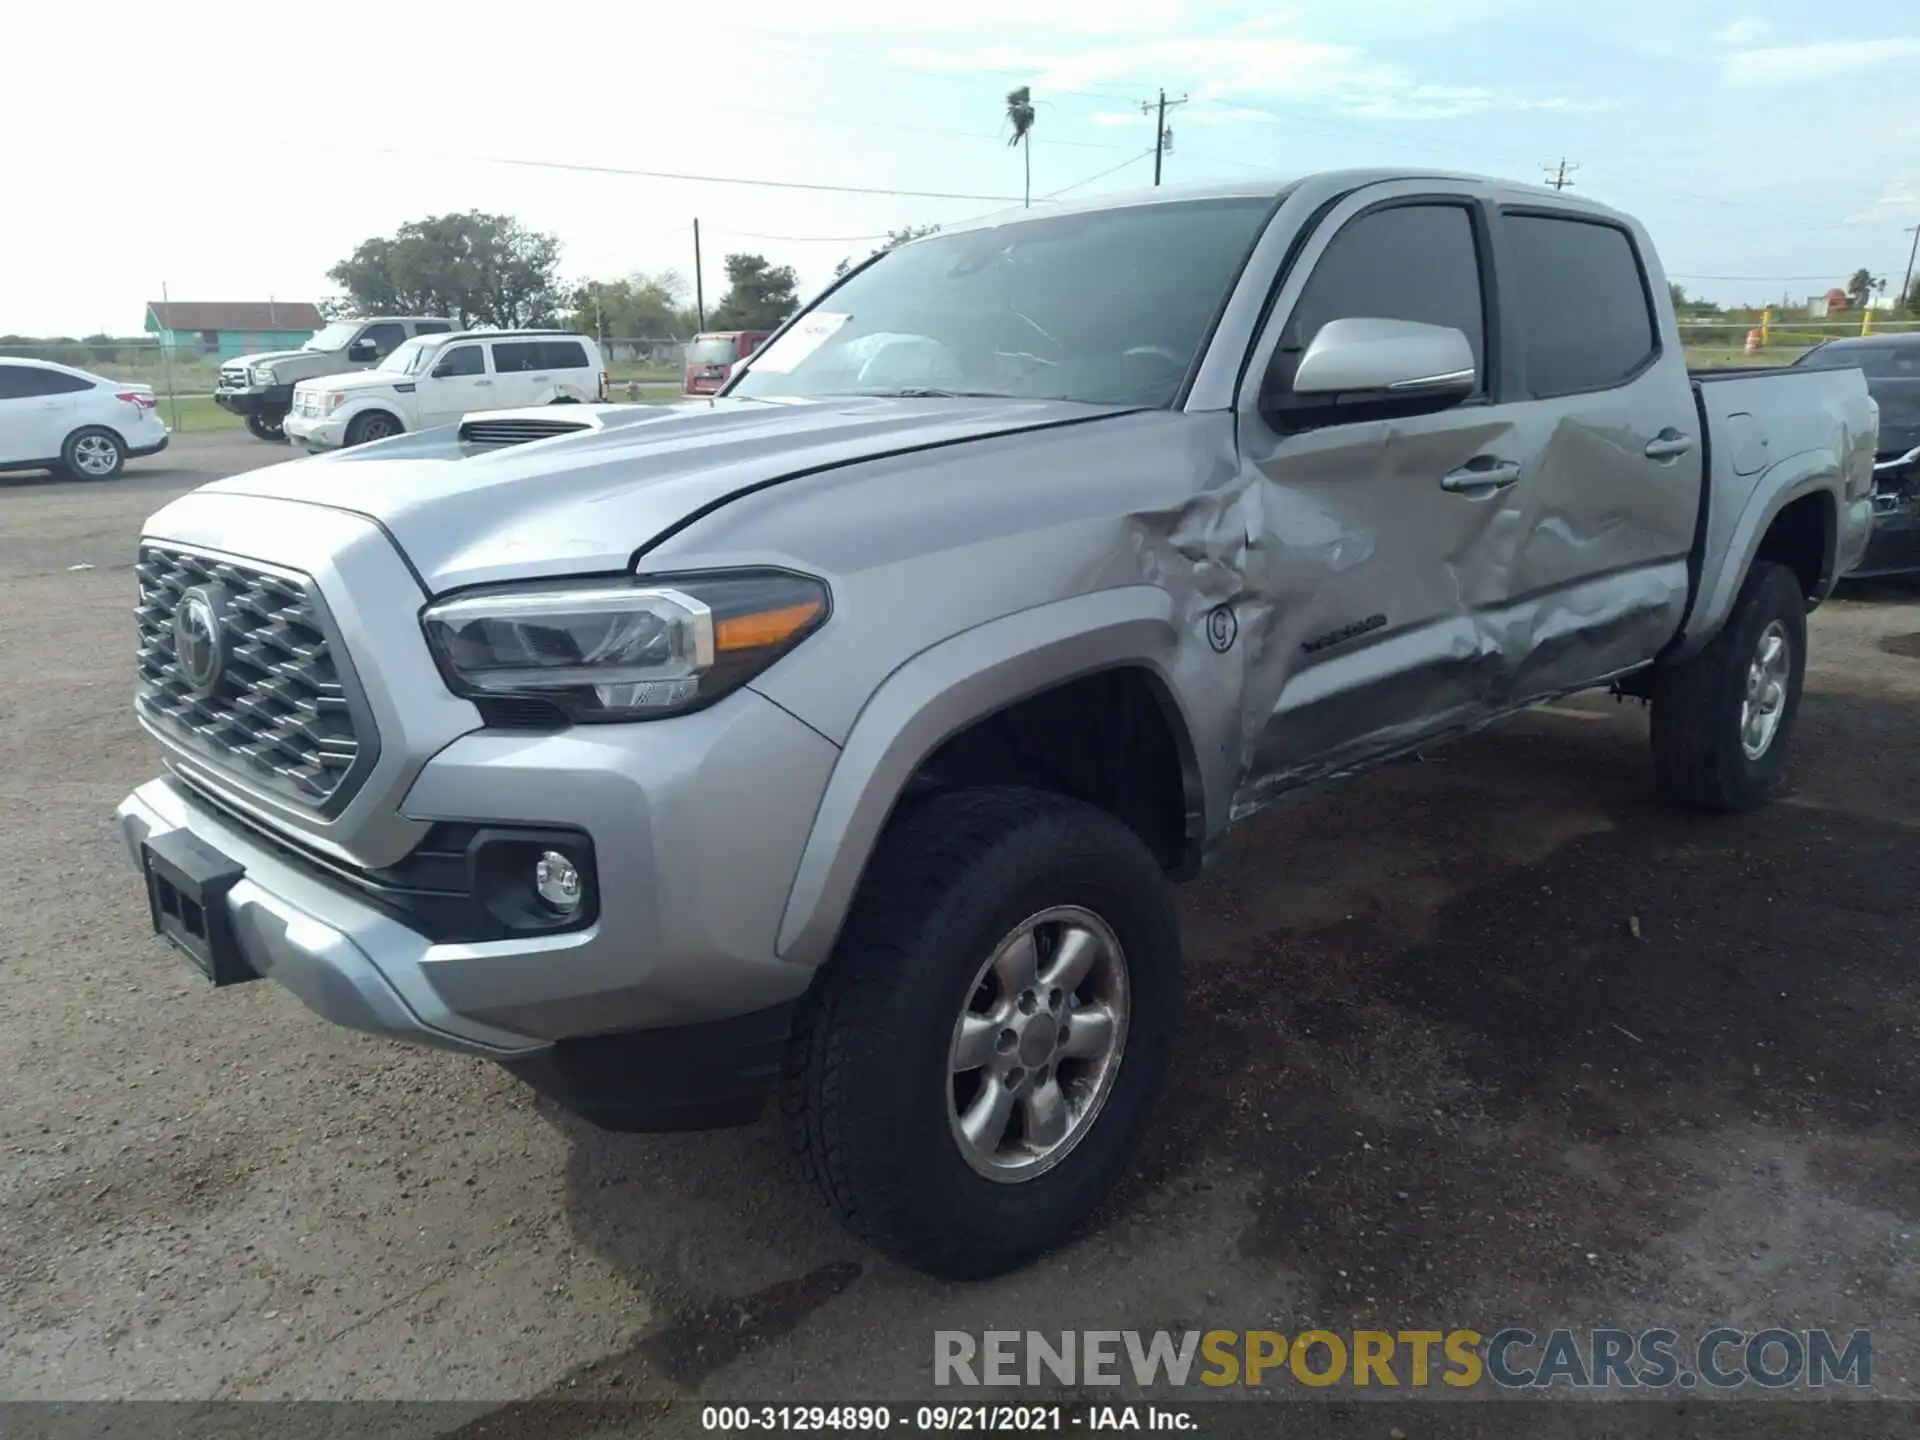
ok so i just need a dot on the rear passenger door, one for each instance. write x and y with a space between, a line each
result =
37 411
568 368
519 376
1599 581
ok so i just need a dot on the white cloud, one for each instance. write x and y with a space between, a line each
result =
1254 58
1744 33
1899 200
1808 64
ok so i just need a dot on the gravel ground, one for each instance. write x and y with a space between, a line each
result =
1489 1038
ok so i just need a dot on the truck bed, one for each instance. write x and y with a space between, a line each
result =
1772 434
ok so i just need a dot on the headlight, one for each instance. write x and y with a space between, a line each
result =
623 649
261 375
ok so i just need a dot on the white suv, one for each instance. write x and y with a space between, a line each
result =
435 379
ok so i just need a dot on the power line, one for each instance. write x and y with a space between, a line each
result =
1130 160
585 169
1751 279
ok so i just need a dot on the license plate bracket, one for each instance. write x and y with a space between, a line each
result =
187 887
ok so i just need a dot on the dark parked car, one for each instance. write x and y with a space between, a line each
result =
1891 364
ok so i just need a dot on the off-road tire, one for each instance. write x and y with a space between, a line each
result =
1698 758
268 428
865 1092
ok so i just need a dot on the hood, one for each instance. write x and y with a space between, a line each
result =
357 379
265 357
585 503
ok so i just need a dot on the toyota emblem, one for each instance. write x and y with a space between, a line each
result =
199 640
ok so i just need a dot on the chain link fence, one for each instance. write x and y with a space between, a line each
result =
183 377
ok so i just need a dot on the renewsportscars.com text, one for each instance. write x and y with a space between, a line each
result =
1512 1358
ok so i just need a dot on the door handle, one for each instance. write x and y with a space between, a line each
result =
1484 473
483 382
1669 444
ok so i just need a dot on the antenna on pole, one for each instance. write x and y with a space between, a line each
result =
1557 173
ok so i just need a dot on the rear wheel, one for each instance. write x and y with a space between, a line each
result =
93 454
374 425
981 1052
1722 721
267 427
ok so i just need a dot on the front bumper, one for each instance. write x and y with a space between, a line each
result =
273 400
1893 546
315 432
698 824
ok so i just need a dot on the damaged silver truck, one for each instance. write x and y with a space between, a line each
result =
842 737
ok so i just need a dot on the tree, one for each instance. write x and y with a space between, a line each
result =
894 237
638 307
1020 116
476 268
759 294
1860 288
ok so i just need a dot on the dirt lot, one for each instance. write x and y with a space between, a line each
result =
1491 1038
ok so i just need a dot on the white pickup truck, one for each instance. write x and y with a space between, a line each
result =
845 734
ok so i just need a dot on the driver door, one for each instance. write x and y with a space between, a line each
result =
1383 542
458 383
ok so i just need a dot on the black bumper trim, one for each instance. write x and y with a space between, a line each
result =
274 400
692 1077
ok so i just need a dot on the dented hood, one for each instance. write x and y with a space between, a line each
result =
585 502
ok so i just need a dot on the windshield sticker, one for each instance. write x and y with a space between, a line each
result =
801 341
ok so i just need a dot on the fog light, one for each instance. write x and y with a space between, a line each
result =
557 881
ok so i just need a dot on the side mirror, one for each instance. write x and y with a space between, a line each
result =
1376 369
363 350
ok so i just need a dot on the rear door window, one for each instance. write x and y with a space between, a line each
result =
1585 316
513 357
563 355
22 382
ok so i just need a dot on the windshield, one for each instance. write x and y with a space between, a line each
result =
1107 307
711 350
334 337
410 358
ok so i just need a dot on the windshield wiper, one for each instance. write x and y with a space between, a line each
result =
930 392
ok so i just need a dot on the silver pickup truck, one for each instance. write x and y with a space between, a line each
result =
843 736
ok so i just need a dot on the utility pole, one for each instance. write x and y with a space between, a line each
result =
1557 174
699 286
1162 137
1906 285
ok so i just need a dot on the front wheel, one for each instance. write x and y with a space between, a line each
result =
1722 720
374 425
981 1052
267 427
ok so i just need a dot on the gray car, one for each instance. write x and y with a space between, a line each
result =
1891 365
845 735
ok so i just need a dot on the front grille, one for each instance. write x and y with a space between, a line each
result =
517 431
278 713
233 379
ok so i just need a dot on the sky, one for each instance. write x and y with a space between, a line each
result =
1771 147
